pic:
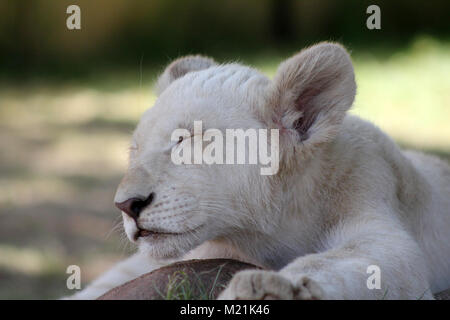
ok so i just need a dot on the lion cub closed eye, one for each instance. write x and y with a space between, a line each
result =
345 197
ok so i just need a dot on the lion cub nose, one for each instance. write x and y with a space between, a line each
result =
134 206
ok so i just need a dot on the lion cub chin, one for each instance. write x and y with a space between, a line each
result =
348 215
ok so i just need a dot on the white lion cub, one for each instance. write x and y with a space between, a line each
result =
345 197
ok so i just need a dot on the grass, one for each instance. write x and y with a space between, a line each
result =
408 95
184 286
179 287
64 150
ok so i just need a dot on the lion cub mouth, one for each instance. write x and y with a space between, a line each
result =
144 233
158 234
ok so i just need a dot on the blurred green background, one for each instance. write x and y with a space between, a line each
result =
69 100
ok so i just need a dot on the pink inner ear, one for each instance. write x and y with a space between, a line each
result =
303 103
177 71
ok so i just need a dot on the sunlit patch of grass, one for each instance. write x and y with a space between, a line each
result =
408 94
27 272
28 261
40 105
23 192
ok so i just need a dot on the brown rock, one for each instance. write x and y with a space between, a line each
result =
192 279
188 280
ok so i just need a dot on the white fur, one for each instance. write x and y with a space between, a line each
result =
345 196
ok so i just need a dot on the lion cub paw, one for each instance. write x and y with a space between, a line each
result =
266 285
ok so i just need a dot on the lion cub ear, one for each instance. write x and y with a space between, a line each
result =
312 91
180 67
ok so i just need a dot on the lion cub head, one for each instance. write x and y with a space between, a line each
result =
169 208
